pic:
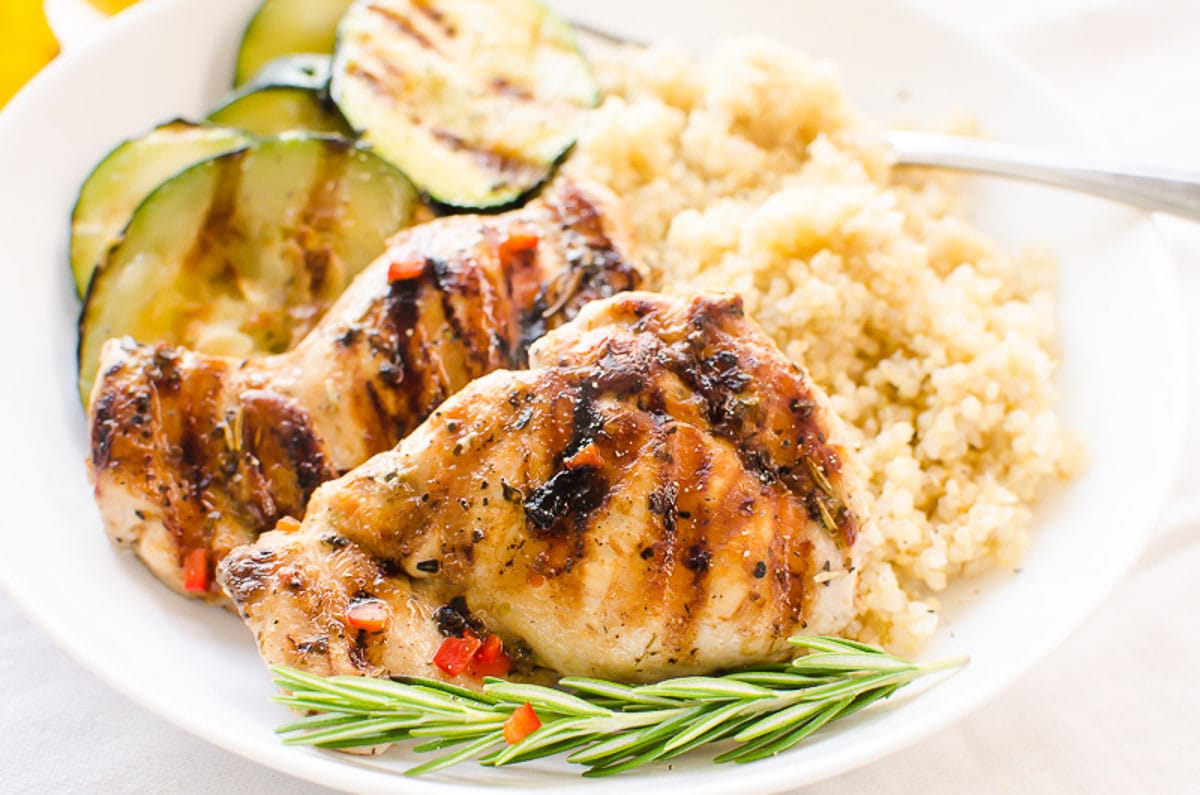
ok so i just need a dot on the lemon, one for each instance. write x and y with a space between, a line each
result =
27 44
112 6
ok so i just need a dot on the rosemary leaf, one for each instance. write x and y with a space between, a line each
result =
446 687
777 680
356 730
442 729
316 722
383 738
717 734
783 719
545 698
853 684
549 734
305 704
715 719
705 688
772 744
606 691
439 743
825 663
570 743
468 751
632 742
292 679
826 643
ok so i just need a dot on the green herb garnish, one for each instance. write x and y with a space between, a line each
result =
607 727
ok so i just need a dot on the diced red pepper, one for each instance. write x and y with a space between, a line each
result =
517 242
405 269
491 649
288 524
588 456
522 723
368 614
195 571
491 659
498 668
454 655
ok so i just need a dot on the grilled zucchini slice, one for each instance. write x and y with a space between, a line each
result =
301 70
278 109
126 175
291 93
476 100
284 27
242 254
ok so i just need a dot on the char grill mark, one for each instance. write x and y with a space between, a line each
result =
395 386
247 575
586 422
720 377
198 456
595 268
684 550
558 510
790 573
279 442
661 504
324 200
403 24
515 168
218 224
453 286
435 16
385 421
106 423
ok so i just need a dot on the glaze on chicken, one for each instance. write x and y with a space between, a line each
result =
662 493
192 452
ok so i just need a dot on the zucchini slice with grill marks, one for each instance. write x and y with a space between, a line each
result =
284 27
126 175
243 253
476 100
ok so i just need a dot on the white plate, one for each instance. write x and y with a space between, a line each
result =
1123 382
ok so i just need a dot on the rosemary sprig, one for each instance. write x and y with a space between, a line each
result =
607 727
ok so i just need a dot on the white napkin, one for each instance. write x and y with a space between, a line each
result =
1114 710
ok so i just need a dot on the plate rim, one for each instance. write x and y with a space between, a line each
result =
325 768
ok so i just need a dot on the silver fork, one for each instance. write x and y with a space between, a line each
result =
1151 188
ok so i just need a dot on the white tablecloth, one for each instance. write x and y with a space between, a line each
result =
1116 708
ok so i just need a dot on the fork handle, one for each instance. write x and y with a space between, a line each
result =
1170 191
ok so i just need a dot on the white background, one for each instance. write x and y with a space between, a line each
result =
1115 709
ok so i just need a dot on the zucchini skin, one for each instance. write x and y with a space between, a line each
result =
290 93
443 208
273 110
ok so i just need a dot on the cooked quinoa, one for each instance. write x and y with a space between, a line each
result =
750 172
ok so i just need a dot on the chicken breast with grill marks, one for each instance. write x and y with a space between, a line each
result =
192 455
662 493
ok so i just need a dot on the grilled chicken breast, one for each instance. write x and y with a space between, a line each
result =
192 455
662 493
